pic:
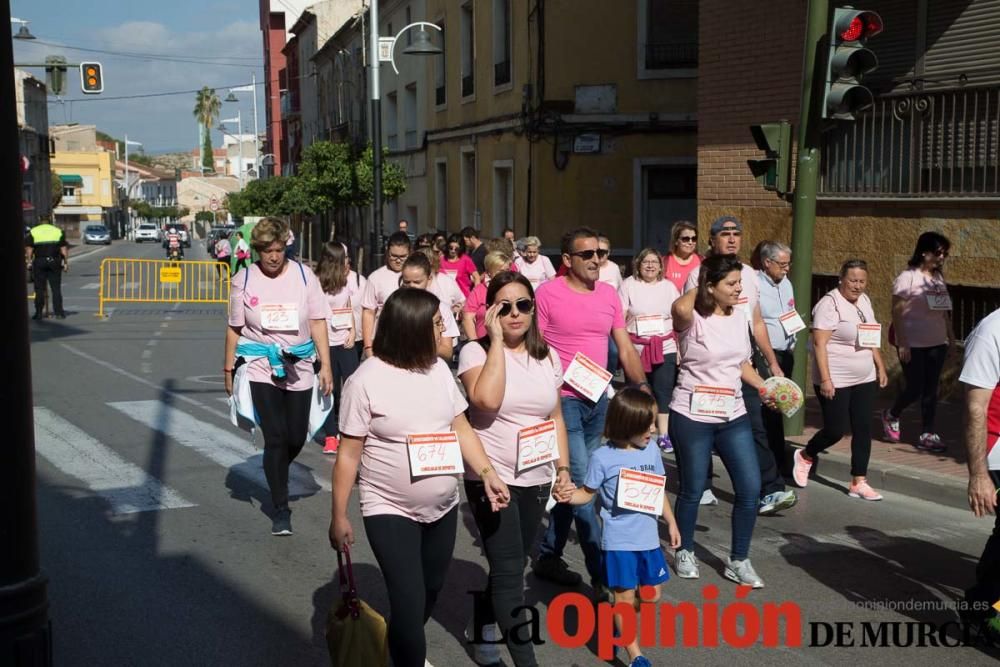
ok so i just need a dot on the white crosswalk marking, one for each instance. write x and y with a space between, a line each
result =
91 286
124 485
224 447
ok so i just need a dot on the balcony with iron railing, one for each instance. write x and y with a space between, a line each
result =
939 144
672 56
289 103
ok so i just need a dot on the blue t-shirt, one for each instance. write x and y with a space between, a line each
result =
624 530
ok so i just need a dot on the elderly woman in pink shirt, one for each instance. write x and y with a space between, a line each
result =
406 456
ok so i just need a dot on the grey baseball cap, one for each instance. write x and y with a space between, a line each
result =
719 223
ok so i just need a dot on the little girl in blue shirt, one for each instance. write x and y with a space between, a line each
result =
630 543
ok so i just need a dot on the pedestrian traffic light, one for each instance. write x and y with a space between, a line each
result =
844 96
91 79
774 172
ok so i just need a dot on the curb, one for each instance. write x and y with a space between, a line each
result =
894 478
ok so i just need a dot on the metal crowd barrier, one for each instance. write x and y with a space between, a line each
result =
162 281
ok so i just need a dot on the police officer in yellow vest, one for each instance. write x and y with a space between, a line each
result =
48 252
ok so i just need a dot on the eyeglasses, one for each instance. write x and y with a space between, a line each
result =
525 306
589 254
783 265
655 264
687 239
397 258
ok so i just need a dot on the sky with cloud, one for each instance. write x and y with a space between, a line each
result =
180 45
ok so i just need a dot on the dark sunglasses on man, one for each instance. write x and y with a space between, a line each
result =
525 306
588 255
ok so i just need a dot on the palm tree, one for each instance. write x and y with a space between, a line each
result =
207 106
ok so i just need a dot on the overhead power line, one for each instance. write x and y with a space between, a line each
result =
200 60
102 98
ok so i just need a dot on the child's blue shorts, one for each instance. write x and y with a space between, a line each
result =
629 569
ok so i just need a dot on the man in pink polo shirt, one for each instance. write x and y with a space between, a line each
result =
382 282
576 314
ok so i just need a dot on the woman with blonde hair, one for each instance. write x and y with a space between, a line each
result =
474 313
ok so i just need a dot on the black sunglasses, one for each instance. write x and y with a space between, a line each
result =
523 305
589 254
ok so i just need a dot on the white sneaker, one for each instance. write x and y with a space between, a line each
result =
742 572
686 564
708 498
485 654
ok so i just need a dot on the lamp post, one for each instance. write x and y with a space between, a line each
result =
22 32
128 188
252 89
239 139
422 46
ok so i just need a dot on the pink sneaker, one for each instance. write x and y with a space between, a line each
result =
800 468
863 491
890 425
330 444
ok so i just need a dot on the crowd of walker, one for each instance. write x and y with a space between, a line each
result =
534 424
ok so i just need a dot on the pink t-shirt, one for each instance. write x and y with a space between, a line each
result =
476 304
611 274
712 352
530 395
678 273
573 321
382 282
384 404
642 298
445 288
287 289
850 364
536 272
461 270
751 288
356 286
922 327
341 299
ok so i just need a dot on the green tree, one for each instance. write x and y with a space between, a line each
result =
57 189
206 216
336 175
143 210
207 106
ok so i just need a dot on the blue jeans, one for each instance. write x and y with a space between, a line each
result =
693 442
584 426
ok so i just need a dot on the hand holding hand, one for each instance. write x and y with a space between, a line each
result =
496 491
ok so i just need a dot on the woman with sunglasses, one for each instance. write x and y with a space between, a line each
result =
512 379
847 364
921 321
646 301
683 256
458 265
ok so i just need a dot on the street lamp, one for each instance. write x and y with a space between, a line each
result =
239 139
22 32
422 47
128 187
252 89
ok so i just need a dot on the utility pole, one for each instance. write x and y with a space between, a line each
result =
25 632
376 111
806 183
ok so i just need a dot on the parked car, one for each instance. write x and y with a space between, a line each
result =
147 232
96 234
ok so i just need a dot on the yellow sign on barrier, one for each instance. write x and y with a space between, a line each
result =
162 281
170 274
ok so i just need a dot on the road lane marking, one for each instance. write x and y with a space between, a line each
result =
125 486
225 448
91 286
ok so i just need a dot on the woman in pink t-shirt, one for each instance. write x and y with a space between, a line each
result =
512 380
474 312
458 265
279 304
707 411
921 320
847 364
646 302
332 271
683 256
409 492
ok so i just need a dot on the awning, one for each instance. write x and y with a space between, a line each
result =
71 179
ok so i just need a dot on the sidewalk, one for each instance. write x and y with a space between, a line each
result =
900 467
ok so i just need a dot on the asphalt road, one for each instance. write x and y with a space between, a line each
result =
159 553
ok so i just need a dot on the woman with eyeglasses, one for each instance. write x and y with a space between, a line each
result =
458 265
474 313
512 379
646 301
403 454
921 321
848 367
683 256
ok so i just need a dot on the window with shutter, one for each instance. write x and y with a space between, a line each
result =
961 39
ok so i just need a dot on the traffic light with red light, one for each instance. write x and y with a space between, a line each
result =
91 78
844 95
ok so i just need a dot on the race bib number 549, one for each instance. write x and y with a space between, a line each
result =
640 491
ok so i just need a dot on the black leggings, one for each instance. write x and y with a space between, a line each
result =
284 421
508 537
850 406
414 559
922 374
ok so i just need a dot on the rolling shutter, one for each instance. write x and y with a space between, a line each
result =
962 38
